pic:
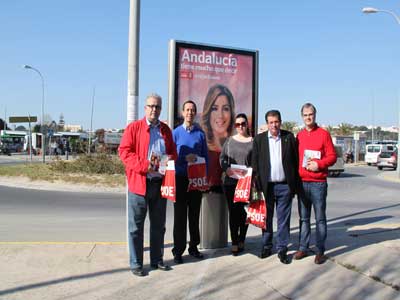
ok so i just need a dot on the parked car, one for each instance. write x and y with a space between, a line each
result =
387 159
374 150
338 167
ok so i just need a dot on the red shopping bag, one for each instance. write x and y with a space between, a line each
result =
257 211
168 185
243 188
197 175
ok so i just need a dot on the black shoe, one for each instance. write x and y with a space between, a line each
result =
282 255
265 252
178 259
161 266
138 272
196 253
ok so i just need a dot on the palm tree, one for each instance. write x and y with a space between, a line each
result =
345 129
289 126
331 130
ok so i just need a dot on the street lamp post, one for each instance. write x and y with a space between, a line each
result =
42 128
372 10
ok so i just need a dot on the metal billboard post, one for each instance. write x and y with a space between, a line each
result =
133 76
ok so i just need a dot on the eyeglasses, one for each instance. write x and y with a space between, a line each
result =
243 124
156 107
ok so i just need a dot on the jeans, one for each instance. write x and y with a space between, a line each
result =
237 216
279 195
187 206
137 210
313 195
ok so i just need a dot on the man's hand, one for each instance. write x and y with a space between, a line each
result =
191 158
312 166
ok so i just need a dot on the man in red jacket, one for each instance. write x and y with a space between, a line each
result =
142 146
316 154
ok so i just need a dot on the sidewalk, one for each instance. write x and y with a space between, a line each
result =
390 175
363 263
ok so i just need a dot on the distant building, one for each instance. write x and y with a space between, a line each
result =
262 128
390 129
72 128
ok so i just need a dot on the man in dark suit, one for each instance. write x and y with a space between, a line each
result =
275 164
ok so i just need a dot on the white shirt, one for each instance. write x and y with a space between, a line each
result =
275 157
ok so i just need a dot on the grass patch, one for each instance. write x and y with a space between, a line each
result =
100 169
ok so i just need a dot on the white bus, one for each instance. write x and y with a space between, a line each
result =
12 140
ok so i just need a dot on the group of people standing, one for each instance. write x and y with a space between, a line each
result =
280 169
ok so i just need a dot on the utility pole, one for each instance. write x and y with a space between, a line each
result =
91 120
133 74
133 61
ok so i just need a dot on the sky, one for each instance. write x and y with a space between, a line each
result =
326 52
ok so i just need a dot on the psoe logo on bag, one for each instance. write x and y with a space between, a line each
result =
256 216
198 182
242 194
168 191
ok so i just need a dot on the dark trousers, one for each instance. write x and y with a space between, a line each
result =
237 216
137 211
279 196
187 206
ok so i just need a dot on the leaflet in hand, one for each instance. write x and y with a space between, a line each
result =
158 162
239 171
310 154
164 163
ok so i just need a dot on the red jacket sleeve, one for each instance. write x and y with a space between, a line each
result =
330 154
129 151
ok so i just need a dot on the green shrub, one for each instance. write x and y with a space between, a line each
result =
100 163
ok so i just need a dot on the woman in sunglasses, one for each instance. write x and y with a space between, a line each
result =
236 150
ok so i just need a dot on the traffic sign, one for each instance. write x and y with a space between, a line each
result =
23 119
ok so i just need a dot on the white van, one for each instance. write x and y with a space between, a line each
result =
372 152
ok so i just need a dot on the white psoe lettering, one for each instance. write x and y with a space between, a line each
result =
167 191
198 182
242 194
254 216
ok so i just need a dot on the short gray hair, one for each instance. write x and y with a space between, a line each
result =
308 105
155 96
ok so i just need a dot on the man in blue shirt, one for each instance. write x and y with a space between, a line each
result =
191 142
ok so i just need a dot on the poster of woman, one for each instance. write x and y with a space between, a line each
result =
222 82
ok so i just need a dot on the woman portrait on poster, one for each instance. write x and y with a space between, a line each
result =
218 116
217 121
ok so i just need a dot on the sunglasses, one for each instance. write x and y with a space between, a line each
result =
243 124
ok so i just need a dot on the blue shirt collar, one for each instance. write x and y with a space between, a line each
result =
188 129
151 124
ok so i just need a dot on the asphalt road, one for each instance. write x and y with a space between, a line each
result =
39 216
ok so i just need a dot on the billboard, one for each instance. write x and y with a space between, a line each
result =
222 82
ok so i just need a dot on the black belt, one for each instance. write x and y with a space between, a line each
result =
277 182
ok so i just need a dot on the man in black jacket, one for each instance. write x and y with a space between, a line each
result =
275 164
